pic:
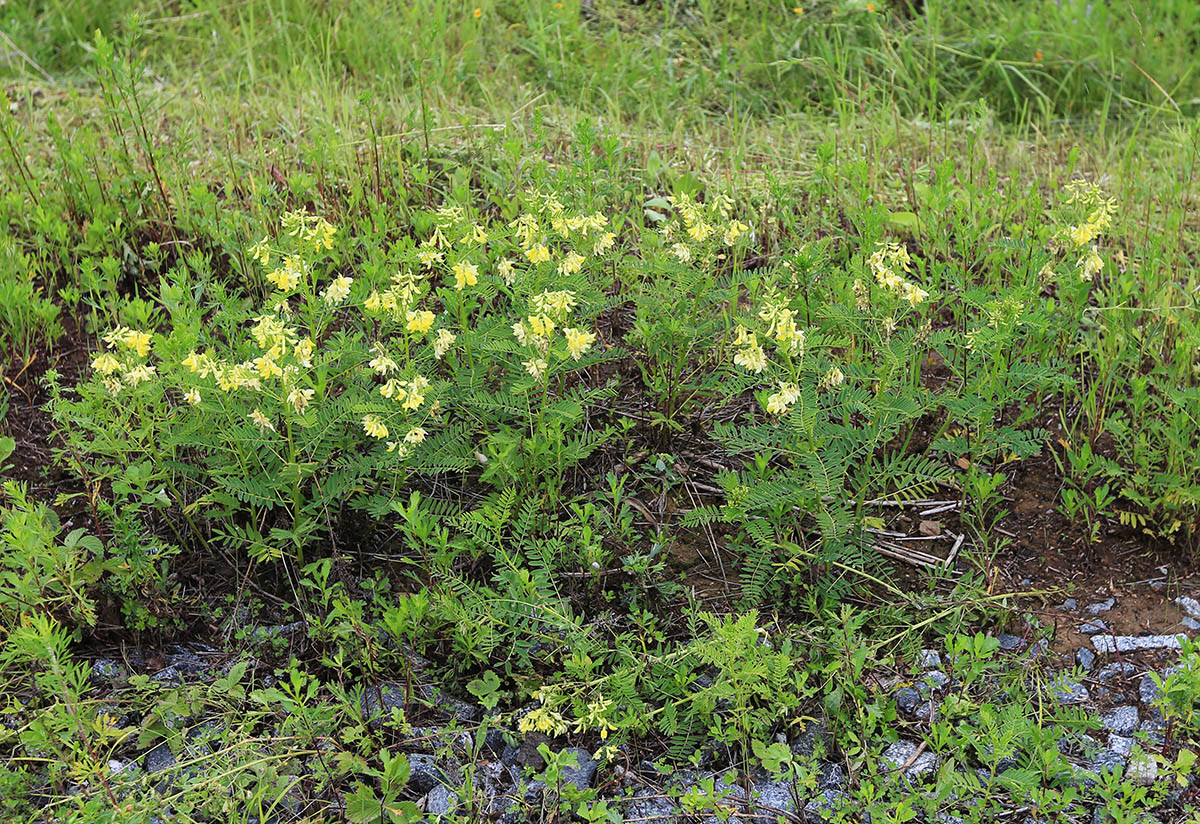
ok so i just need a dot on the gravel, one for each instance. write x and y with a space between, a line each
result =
899 753
1100 606
1117 669
1068 691
929 659
1085 658
1121 720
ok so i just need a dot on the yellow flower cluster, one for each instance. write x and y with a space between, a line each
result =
284 354
1100 212
312 231
398 300
885 261
543 720
751 355
537 330
697 223
409 394
128 370
781 325
779 402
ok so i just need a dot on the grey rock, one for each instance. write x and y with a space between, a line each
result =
1069 692
1142 769
1135 643
1037 649
1093 627
648 804
168 675
927 711
1120 720
934 680
833 777
775 796
907 699
1069 605
424 773
1121 745
1101 606
815 736
379 701
1117 669
1189 605
1008 643
1085 658
159 758
929 659
106 670
898 754
1107 760
1190 623
441 802
583 775
825 805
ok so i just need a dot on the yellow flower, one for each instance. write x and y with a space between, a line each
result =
299 399
442 344
261 421
1090 265
383 364
520 332
751 357
478 13
374 427
700 231
537 254
303 352
465 274
106 364
267 368
571 264
414 435
540 326
833 377
735 230
913 294
288 275
555 304
536 367
775 405
192 396
543 719
604 243
420 321
798 10
261 251
428 255
137 341
338 290
682 252
507 272
140 374
578 341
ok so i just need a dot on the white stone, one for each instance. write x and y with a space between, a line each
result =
1134 643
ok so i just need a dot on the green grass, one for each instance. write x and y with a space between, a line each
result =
533 540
